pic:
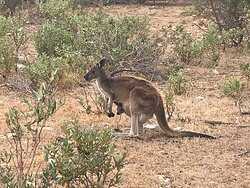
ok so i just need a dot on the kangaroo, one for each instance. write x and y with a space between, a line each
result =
139 98
104 88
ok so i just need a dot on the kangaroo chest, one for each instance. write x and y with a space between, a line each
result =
101 88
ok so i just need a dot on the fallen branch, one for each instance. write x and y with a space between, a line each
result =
217 122
243 126
244 153
245 113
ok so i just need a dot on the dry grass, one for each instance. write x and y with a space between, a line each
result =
158 161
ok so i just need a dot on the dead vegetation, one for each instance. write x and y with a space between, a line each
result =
158 161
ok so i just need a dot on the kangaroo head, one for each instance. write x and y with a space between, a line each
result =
95 71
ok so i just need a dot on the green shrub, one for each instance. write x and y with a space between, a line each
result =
177 83
234 89
6 54
83 158
43 66
245 70
228 15
25 127
184 45
6 46
204 51
12 39
169 100
211 43
52 9
92 36
52 39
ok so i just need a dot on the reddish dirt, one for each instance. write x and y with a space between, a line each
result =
156 160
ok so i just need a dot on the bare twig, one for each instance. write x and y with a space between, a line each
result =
216 122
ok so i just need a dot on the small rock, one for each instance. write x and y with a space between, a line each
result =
215 72
177 128
2 137
20 66
199 98
149 126
164 179
10 135
48 129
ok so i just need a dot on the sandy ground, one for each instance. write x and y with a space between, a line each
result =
155 160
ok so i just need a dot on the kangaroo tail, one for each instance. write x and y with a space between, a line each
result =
161 119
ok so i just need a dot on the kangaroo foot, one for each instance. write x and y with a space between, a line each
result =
133 135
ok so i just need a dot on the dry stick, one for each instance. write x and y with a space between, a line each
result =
21 157
92 100
243 126
15 162
36 174
34 164
38 140
204 30
245 113
96 102
244 153
27 148
17 156
85 94
214 122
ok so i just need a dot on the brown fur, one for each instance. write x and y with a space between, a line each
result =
140 100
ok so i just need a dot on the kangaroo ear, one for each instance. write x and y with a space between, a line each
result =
101 63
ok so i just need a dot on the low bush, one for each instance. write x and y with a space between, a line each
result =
205 51
177 83
25 127
245 70
83 158
123 39
234 89
53 40
12 39
40 70
228 15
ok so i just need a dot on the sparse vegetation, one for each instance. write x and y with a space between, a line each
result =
245 70
205 51
56 41
85 158
234 88
89 99
176 85
177 82
24 136
12 39
40 70
228 15
92 36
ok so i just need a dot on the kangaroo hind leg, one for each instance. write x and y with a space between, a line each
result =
134 130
